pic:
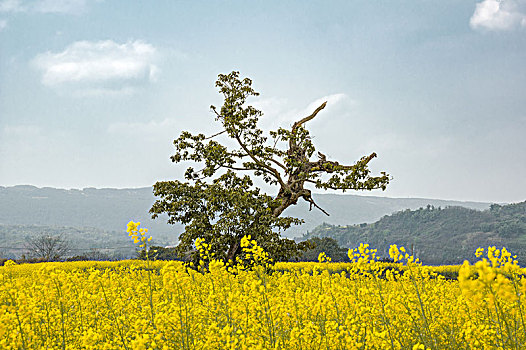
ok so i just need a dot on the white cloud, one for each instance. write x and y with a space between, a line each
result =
3 24
45 6
98 67
499 15
277 113
11 6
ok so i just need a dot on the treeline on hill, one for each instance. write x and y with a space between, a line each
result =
89 242
436 235
327 245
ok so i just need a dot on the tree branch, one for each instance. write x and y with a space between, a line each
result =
276 141
295 126
306 119
368 159
267 168
321 165
235 168
311 201
278 163
214 135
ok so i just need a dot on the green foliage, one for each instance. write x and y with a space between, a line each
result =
439 236
159 253
327 245
222 213
218 205
92 255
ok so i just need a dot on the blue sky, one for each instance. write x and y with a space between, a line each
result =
92 93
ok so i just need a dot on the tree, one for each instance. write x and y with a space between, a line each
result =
47 247
159 253
328 246
218 205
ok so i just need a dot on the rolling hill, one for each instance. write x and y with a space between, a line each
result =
438 236
104 213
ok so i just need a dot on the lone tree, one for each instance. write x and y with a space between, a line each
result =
218 205
48 247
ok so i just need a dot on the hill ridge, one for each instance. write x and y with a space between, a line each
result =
448 235
111 208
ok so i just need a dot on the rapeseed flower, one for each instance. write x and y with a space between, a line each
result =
362 304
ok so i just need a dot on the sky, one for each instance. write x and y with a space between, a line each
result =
93 92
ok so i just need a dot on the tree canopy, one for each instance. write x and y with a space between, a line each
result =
219 202
326 245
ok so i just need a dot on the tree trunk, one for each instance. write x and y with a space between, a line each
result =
233 251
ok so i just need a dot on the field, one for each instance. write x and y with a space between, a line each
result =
359 305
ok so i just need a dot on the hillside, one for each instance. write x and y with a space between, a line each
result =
83 240
111 209
436 235
105 209
350 209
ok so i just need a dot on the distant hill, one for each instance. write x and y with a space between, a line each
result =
111 209
105 212
350 209
105 209
115 245
436 235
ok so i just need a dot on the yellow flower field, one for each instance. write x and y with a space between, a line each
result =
163 305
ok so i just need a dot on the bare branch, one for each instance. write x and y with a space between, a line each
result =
368 159
306 119
311 201
47 246
295 126
276 141
213 108
214 135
